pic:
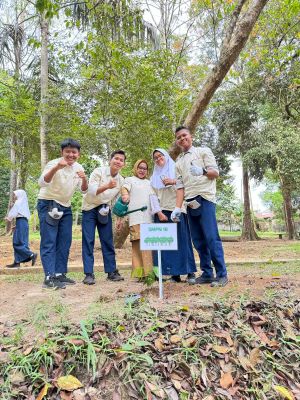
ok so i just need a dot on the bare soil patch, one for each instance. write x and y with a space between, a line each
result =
20 296
198 342
262 250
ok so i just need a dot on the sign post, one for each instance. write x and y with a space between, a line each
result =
159 237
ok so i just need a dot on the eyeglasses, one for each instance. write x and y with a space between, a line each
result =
156 158
143 168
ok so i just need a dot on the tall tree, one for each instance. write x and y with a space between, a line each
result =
235 118
234 40
11 48
44 26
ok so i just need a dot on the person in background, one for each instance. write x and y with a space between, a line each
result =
20 211
104 187
182 261
196 172
137 192
58 182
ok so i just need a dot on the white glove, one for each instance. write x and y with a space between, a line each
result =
104 210
55 214
196 171
175 216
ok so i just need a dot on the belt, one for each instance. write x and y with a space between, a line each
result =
192 198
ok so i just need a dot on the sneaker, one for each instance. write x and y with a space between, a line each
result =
175 279
191 278
64 279
53 283
115 276
13 265
33 259
220 282
89 279
201 280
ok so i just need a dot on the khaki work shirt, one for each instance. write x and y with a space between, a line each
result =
63 184
99 177
196 185
167 198
139 193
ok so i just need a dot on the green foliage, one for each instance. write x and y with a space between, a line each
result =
4 193
18 117
229 209
274 201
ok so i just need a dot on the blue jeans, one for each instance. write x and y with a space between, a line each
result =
206 238
55 240
89 224
20 240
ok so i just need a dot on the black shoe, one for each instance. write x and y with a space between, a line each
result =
53 283
115 276
64 279
220 282
33 259
175 278
27 259
13 265
89 279
191 278
201 280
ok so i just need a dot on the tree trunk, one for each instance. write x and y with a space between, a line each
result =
76 218
235 39
13 179
18 35
34 221
248 231
44 89
288 210
121 235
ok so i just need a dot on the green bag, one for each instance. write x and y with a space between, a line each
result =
120 209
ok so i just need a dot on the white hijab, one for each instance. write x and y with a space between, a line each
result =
167 170
20 208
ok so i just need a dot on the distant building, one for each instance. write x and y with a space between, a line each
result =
263 220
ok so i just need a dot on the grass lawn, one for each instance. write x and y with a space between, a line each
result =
263 235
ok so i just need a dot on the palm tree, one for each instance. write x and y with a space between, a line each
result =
12 39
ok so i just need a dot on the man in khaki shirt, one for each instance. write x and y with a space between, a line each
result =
59 180
196 172
104 187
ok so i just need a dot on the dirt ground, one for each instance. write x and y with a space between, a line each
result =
22 297
262 250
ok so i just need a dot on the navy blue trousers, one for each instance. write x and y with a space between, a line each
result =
206 238
182 261
20 240
55 240
89 224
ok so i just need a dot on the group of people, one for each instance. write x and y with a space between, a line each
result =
182 192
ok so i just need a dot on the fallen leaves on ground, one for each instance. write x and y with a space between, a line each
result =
69 383
232 350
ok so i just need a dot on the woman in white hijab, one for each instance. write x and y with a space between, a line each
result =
20 211
163 181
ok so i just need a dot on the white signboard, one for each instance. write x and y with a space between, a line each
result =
158 237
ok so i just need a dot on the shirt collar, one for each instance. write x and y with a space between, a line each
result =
190 150
109 174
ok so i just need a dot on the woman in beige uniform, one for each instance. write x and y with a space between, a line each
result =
136 192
